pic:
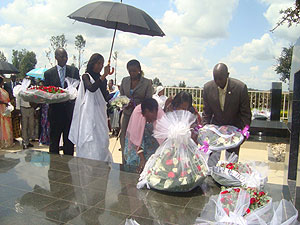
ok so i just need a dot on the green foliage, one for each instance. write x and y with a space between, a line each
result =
2 57
182 84
156 82
58 41
27 63
284 63
80 45
17 56
291 16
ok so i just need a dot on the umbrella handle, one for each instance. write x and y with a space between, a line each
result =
112 71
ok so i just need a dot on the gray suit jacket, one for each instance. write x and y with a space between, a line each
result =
142 91
236 108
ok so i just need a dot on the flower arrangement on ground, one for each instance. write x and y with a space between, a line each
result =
220 138
178 164
234 174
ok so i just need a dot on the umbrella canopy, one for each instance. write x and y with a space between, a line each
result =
6 67
118 16
37 73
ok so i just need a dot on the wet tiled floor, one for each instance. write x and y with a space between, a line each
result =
41 188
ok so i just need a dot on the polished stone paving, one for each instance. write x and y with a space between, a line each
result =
41 188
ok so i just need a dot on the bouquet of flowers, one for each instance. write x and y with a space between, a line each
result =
261 114
232 173
237 206
221 137
9 108
44 94
119 102
178 164
247 206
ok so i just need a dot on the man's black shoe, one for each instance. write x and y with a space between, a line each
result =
30 145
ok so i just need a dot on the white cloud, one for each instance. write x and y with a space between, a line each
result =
201 19
177 61
258 49
192 28
254 69
273 17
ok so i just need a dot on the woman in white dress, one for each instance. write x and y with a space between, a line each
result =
89 130
160 97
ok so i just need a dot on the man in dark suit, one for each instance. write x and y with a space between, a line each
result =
60 114
9 86
226 102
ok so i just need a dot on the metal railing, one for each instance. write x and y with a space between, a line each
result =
260 100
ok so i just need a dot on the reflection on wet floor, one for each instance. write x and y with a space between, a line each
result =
41 188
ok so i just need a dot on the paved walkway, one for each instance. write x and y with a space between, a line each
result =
250 151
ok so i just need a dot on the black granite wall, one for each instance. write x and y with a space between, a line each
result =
276 93
294 124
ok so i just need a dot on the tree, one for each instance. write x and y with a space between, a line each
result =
2 57
27 63
182 84
156 82
58 41
283 67
17 56
290 16
79 45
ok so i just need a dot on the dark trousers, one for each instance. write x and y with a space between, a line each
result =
60 122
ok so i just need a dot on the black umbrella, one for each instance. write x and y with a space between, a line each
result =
6 67
117 16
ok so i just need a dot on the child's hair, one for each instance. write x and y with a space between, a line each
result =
150 104
182 97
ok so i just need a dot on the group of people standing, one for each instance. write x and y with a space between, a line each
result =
84 122
26 120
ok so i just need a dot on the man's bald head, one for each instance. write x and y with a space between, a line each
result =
61 56
220 75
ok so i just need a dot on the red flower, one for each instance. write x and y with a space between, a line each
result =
199 168
224 192
223 200
248 211
230 166
237 190
183 173
252 200
226 210
169 162
171 175
230 202
261 193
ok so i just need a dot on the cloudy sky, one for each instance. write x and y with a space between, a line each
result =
199 34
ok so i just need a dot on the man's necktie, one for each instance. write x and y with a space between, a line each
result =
62 77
